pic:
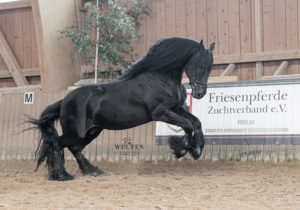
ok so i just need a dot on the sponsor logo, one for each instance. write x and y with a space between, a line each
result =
128 147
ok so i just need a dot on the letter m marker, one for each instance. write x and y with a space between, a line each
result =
28 97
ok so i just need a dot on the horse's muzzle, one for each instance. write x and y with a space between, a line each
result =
198 93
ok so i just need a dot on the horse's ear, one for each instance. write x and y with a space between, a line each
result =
212 46
201 45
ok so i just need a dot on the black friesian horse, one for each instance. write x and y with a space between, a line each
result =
149 90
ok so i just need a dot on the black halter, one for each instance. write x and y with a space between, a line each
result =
194 83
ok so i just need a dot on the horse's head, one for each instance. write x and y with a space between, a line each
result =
198 69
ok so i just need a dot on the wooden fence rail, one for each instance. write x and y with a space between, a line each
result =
113 145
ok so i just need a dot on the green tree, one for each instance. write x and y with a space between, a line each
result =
118 26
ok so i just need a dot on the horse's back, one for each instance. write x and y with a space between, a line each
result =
104 106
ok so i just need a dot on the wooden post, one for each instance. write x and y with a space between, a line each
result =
271 150
55 56
11 62
294 152
225 152
219 152
40 42
212 152
286 153
263 153
278 153
247 152
258 36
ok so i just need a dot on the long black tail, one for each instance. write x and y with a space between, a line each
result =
48 142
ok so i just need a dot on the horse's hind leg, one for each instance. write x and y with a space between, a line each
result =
56 160
85 166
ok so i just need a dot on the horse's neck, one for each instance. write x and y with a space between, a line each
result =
176 76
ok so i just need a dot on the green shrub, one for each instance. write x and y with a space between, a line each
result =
118 27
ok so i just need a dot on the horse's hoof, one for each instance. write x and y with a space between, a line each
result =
196 153
183 152
60 176
179 154
178 145
93 171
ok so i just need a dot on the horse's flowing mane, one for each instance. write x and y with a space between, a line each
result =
165 55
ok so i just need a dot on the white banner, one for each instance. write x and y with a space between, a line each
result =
245 110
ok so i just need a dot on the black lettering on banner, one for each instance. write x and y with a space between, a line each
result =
274 109
210 110
282 107
250 98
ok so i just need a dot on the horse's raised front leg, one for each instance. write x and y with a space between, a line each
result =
180 145
197 142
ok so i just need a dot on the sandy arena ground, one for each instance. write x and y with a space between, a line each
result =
184 185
